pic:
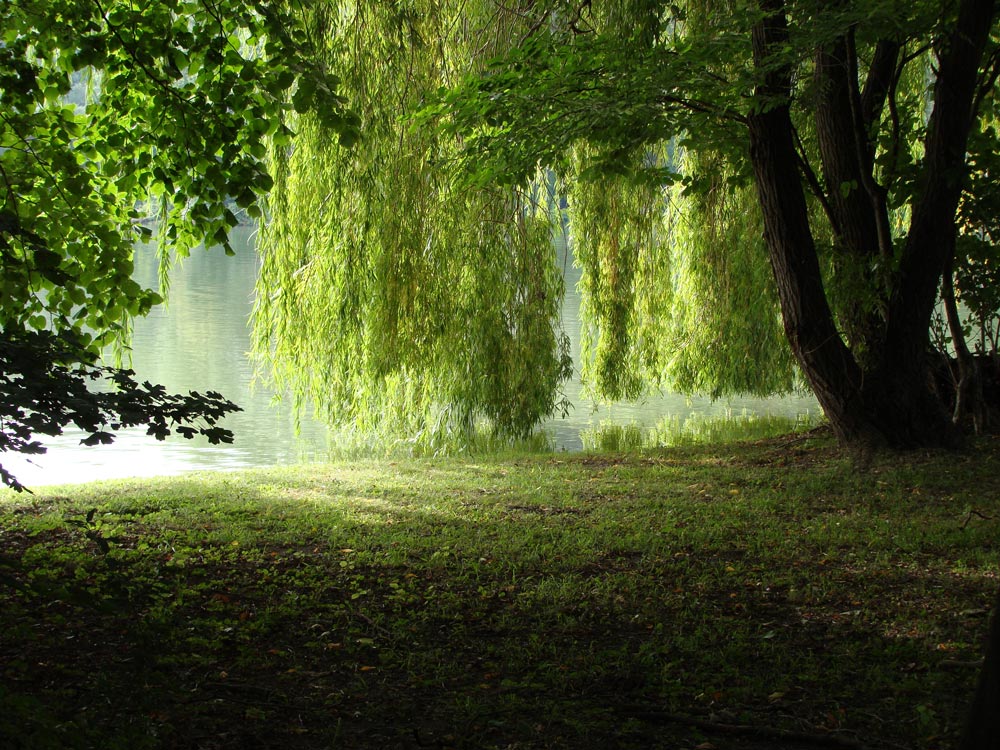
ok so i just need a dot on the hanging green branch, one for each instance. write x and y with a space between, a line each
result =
394 298
47 383
180 97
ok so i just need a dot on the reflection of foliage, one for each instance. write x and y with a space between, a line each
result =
45 385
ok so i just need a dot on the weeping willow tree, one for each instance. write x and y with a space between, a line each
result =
404 292
666 271
753 190
828 141
395 299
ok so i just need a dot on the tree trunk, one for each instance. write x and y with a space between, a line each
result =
982 730
815 341
857 203
855 229
891 400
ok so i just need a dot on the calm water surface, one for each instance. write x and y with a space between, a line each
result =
199 342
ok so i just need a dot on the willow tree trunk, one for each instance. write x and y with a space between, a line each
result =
828 364
888 395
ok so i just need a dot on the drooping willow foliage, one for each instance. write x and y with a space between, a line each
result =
398 296
664 288
394 299
667 262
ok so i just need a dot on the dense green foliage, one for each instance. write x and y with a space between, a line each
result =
398 292
179 99
182 95
627 122
587 601
661 208
396 299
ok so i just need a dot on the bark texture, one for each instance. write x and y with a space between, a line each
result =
882 390
828 364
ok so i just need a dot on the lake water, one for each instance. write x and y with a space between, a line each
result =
199 342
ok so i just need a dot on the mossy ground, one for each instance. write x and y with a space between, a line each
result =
550 601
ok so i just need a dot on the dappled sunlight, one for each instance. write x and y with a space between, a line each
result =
701 580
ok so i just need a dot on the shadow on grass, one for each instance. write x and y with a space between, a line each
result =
527 603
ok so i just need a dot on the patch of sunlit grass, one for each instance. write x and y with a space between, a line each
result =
482 597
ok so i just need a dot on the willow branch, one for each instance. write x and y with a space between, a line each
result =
863 154
990 79
813 181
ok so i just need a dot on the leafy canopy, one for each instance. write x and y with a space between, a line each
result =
403 275
633 98
181 96
412 284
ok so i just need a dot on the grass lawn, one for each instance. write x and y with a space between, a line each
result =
681 598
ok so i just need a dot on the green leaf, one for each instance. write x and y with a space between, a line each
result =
302 99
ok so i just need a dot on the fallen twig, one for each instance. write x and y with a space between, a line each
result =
960 663
978 514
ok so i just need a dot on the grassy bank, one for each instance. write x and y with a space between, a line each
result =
563 601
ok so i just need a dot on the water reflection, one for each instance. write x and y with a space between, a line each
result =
199 342
657 409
